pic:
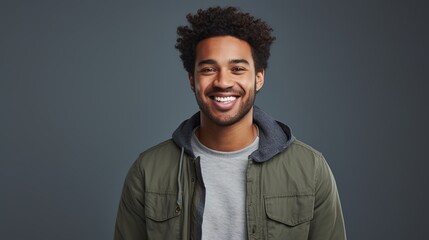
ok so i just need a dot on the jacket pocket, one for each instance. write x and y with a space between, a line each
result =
161 211
288 216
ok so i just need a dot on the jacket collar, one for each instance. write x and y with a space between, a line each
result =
274 136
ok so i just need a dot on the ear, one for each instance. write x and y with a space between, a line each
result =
259 79
191 81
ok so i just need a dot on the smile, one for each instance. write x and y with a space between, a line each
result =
225 99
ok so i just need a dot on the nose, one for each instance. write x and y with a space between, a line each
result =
223 80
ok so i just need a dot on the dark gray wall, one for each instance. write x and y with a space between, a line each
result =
87 85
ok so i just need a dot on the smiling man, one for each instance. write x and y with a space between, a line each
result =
225 83
230 171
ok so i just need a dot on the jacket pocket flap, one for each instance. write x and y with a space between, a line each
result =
290 210
160 206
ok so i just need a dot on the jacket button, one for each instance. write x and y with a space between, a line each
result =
192 179
177 209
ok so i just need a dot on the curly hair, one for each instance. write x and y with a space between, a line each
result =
217 21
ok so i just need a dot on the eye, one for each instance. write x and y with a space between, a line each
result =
207 70
238 70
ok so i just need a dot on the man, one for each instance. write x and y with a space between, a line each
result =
230 171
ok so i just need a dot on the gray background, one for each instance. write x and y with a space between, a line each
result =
87 85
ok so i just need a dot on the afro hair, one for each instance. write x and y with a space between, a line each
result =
228 21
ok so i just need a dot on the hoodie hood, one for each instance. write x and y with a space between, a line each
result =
274 136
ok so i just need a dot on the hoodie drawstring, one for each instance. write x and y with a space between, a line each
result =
179 182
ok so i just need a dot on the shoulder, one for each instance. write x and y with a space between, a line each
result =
299 147
311 160
299 152
158 158
163 148
299 160
157 167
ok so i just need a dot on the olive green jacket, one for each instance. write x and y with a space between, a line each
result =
291 192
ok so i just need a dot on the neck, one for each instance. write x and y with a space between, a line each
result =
227 138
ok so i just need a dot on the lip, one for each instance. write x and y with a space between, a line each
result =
224 94
224 106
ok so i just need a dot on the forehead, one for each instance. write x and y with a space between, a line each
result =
223 48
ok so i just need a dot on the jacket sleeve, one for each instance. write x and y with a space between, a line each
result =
130 219
328 221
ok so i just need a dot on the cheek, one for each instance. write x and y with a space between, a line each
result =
202 85
199 89
249 85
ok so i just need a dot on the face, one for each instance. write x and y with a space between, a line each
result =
225 81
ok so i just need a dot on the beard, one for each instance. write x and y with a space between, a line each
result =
228 119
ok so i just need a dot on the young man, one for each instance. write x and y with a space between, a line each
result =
230 171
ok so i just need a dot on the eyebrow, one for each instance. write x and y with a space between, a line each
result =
232 61
207 61
235 61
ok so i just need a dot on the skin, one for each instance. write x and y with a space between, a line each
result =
225 82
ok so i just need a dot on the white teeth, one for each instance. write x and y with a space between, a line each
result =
225 99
